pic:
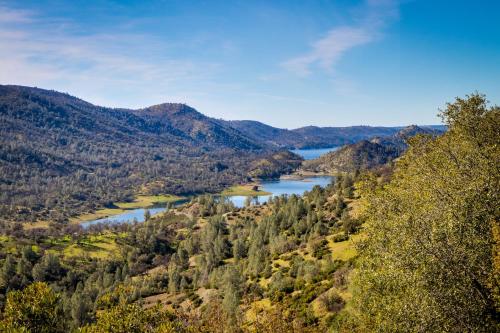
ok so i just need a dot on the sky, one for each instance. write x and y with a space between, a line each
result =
286 63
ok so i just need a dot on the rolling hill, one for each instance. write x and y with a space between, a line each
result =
312 136
367 154
60 155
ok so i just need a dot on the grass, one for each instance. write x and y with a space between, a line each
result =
36 225
102 246
278 263
4 239
101 213
143 201
8 244
245 190
344 250
256 307
164 298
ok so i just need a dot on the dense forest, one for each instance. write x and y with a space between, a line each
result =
409 246
61 156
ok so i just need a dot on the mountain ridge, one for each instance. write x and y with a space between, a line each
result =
367 154
61 156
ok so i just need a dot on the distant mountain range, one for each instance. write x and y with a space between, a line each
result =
367 154
311 136
60 155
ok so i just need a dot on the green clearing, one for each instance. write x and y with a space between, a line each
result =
245 190
8 244
344 250
102 246
143 201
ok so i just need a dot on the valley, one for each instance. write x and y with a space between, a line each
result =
249 166
241 235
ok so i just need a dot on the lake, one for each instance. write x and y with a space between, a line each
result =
282 186
276 187
310 154
129 216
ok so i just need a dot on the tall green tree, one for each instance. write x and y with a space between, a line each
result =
34 309
427 263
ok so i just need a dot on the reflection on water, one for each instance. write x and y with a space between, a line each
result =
130 216
282 186
276 187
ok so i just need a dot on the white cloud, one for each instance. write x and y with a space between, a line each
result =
126 68
327 51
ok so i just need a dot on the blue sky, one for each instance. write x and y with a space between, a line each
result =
287 63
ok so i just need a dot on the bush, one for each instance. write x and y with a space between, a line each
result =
332 301
340 238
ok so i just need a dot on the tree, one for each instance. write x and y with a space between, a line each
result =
8 272
81 309
34 309
248 201
427 262
48 268
147 214
132 318
232 293
239 249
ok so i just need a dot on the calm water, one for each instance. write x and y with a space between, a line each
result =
129 216
283 186
276 187
310 154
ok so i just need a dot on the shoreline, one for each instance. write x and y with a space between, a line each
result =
141 201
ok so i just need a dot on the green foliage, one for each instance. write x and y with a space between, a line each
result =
332 301
340 237
426 265
132 318
279 251
35 309
48 269
232 292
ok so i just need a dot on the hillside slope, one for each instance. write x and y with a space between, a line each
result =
367 154
60 155
323 137
197 127
260 132
311 136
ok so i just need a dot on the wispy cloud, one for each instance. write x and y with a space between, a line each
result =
325 53
130 69
8 15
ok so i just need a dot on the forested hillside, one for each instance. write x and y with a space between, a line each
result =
260 132
60 156
313 136
410 247
367 154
